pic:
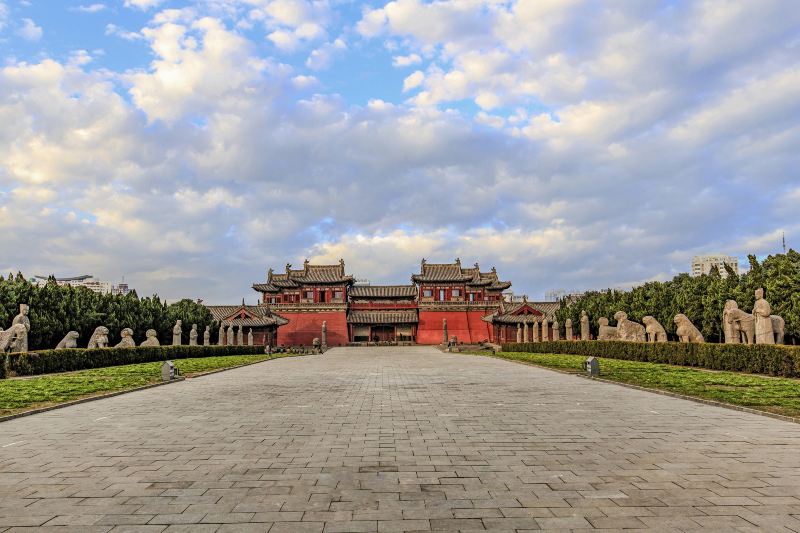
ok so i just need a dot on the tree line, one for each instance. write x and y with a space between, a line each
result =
700 298
55 310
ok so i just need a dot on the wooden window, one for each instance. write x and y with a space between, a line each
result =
309 295
427 293
337 295
456 293
472 297
441 295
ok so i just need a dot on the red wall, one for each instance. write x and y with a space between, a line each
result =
466 325
303 328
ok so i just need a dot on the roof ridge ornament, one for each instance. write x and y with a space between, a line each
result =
288 268
269 275
341 265
458 262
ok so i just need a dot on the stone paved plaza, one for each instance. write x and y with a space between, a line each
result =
397 439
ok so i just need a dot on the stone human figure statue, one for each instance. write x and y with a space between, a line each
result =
240 336
21 344
69 341
221 337
151 338
207 336
250 337
445 339
762 312
568 329
525 332
545 329
127 339
324 334
231 336
556 331
584 326
176 334
193 336
535 331
519 332
732 335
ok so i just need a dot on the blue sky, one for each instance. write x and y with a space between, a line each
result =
190 145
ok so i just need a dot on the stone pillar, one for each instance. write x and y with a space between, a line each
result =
556 331
324 335
535 331
221 337
568 328
445 339
525 332
519 332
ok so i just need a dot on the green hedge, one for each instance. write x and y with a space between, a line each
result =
757 359
50 361
2 366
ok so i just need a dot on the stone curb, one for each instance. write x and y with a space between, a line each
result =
695 399
36 411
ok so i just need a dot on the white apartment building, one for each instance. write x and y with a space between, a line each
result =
88 281
701 264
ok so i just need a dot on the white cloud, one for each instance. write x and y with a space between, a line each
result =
413 80
29 30
3 15
89 8
143 4
322 57
406 61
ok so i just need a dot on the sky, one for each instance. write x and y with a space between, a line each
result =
191 145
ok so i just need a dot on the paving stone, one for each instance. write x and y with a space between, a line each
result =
397 439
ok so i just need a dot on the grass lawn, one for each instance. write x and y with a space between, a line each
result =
774 395
18 395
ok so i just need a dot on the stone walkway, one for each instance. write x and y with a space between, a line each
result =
397 439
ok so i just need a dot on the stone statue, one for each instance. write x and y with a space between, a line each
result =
207 336
728 327
519 332
556 332
568 329
525 332
176 334
324 334
742 325
8 338
545 329
687 332
606 332
221 337
193 335
762 312
250 337
628 330
127 339
21 343
654 330
240 336
69 341
779 327
151 338
99 338
535 331
231 336
444 331
584 326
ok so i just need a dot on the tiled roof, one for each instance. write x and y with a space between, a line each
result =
507 314
453 272
294 278
382 317
383 291
255 315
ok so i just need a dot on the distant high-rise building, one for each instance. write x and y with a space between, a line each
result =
554 295
702 264
88 281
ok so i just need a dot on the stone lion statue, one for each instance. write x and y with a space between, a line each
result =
99 338
127 339
779 327
654 330
687 332
606 332
10 338
69 341
152 338
628 330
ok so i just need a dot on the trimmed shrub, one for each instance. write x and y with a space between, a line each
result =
50 361
774 360
2 366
